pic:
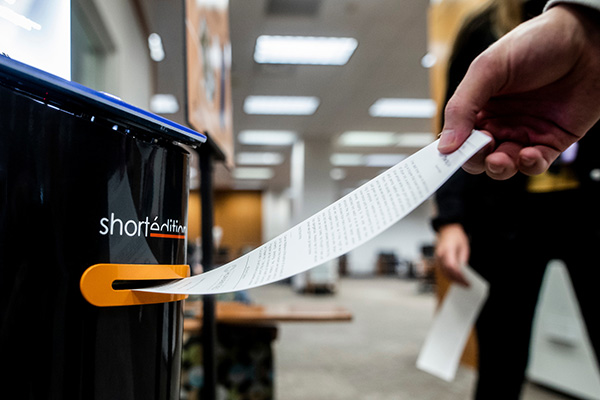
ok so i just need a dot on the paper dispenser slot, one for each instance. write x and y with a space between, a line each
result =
110 285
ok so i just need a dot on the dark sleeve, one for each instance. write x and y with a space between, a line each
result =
473 38
449 200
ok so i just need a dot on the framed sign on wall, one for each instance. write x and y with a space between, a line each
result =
208 63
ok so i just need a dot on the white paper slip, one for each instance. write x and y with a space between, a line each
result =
446 340
338 228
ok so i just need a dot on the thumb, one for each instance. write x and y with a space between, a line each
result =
482 80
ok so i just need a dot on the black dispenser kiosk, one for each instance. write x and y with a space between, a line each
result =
93 198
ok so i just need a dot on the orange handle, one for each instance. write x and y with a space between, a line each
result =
96 283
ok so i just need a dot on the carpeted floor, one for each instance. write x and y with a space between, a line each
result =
371 358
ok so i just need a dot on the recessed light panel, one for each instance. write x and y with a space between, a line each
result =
304 50
337 174
164 104
428 60
259 158
253 173
367 139
267 137
403 108
281 105
347 159
382 139
383 160
157 52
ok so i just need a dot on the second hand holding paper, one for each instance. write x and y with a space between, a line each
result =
445 342
338 228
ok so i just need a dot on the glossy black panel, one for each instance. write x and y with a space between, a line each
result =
76 191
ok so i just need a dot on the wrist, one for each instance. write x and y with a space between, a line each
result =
450 229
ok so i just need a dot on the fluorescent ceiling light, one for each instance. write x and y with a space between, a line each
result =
267 137
281 105
366 138
428 60
379 139
368 160
18 19
259 158
346 160
253 173
383 160
304 50
337 174
164 104
157 51
403 108
414 139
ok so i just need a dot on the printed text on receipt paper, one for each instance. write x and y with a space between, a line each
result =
338 228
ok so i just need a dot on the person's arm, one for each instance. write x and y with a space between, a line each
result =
535 92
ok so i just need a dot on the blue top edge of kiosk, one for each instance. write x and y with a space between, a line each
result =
35 81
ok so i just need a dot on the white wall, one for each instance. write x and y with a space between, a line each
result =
405 238
129 67
277 214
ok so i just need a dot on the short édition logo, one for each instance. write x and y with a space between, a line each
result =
171 229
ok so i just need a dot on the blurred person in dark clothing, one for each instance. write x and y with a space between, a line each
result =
502 229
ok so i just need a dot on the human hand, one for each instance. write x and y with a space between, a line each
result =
536 91
452 252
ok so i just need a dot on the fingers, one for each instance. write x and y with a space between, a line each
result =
537 159
502 163
509 158
452 253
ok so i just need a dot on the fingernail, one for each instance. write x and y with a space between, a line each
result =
495 169
527 162
447 139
